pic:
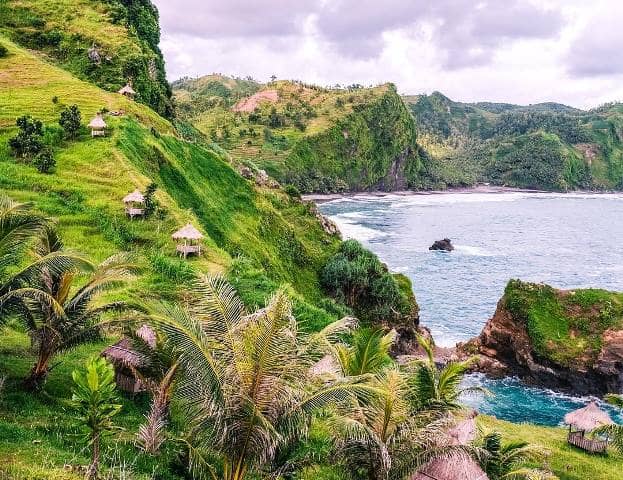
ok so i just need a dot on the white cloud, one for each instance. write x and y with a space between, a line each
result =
513 50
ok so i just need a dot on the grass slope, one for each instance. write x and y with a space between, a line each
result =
547 146
262 237
318 139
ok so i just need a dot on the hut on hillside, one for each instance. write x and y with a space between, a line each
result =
585 420
127 91
97 126
191 240
134 204
126 359
457 467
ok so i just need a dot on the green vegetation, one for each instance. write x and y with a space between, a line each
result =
564 326
544 146
107 43
317 139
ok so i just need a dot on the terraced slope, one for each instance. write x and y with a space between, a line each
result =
320 140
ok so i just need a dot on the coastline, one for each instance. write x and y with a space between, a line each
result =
478 189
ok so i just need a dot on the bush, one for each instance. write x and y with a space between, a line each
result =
357 277
29 140
3 51
45 161
70 120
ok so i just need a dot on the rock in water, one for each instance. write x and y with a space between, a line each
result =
444 245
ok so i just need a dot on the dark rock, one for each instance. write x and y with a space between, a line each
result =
444 245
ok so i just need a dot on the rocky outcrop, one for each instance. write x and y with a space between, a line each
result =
507 347
444 245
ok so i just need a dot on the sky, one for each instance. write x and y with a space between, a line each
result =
517 51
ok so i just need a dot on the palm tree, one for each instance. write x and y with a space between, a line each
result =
508 460
435 388
77 307
244 380
369 352
20 231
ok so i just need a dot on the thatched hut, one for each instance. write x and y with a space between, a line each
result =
126 360
191 240
97 126
127 91
458 467
134 204
585 420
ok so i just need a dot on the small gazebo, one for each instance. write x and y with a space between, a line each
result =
126 360
134 204
97 126
127 91
585 420
456 467
191 236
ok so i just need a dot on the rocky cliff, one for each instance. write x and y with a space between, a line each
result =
566 339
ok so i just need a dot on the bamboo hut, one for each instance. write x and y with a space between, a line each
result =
191 237
126 360
134 204
585 420
97 126
127 91
458 467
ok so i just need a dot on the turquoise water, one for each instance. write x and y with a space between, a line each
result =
566 240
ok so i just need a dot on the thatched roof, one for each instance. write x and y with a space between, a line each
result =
127 90
188 232
588 418
122 351
453 468
465 430
97 122
135 196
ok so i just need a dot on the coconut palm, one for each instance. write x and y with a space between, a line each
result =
20 232
77 305
244 380
509 460
435 388
368 353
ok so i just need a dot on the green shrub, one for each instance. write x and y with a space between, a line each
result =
29 140
70 120
45 161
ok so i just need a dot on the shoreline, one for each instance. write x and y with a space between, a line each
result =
478 189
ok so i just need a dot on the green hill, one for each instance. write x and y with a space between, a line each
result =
318 139
105 42
544 146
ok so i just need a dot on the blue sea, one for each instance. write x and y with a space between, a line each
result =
565 240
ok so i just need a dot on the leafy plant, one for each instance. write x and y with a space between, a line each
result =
95 399
29 140
44 161
70 120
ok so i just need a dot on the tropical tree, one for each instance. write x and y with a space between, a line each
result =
95 399
434 388
21 231
509 460
77 306
368 353
244 380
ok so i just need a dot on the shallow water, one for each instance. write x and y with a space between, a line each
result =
566 240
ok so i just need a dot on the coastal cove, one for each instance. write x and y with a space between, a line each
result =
565 240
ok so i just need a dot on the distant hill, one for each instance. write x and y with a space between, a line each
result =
545 146
318 139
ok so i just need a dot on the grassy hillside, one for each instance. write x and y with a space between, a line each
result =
545 146
260 236
107 42
320 140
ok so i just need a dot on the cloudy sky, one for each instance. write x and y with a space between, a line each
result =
519 51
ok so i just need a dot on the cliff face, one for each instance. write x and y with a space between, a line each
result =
571 340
